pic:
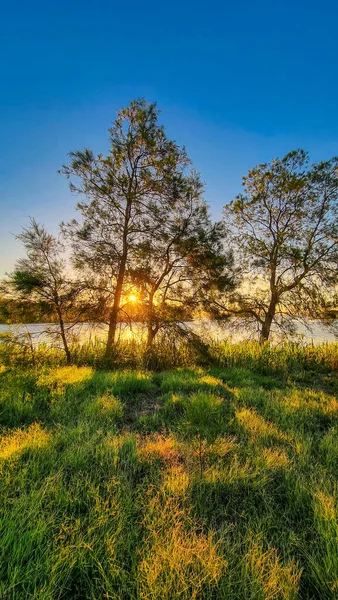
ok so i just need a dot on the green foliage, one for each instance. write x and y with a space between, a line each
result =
285 240
142 219
26 282
41 278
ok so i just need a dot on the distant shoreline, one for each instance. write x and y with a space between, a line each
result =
315 332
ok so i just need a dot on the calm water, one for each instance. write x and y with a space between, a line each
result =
314 332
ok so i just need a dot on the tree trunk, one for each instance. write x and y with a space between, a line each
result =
152 326
64 337
269 317
113 317
151 335
119 285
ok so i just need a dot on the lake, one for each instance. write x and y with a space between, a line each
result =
315 332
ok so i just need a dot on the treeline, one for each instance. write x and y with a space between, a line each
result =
144 246
20 311
15 311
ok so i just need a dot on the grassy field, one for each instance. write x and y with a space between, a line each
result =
198 482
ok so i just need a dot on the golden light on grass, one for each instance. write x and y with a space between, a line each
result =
257 427
176 480
325 506
311 401
108 405
213 475
271 578
18 440
160 447
116 442
65 376
222 446
179 560
212 381
274 458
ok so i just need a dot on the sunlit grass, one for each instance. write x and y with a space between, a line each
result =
62 376
222 446
274 459
307 400
176 480
13 443
257 427
107 405
194 482
179 559
325 505
269 578
165 448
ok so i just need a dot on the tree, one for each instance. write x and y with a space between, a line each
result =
181 261
123 193
285 236
41 278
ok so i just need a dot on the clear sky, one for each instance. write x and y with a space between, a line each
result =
238 83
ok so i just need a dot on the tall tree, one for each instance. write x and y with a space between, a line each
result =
42 278
123 194
285 236
181 261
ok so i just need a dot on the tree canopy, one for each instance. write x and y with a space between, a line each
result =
144 246
41 277
285 238
141 213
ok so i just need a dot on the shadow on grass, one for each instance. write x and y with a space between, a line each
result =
77 487
78 504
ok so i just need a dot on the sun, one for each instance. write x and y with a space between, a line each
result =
132 298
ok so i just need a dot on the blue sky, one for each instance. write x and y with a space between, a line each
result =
238 83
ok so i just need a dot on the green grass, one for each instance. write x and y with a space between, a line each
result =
215 482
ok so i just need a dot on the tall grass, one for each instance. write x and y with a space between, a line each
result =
169 353
281 359
127 353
